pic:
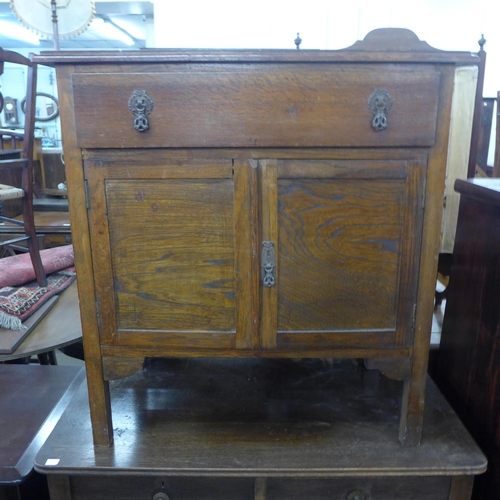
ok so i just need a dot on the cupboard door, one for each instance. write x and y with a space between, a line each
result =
164 235
347 243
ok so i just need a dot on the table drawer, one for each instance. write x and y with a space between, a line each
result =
407 488
295 105
200 488
145 488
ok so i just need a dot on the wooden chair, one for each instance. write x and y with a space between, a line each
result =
21 160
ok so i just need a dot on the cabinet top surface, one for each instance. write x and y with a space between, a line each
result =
381 45
247 417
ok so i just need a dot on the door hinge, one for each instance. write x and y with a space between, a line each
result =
87 196
424 189
98 314
414 318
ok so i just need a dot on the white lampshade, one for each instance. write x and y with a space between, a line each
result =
73 16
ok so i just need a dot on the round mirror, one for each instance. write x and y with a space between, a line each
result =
47 107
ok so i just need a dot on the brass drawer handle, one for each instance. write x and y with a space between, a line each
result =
140 105
380 103
268 263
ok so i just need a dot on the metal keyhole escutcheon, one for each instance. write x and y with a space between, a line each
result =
268 264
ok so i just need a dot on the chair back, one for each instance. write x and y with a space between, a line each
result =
11 160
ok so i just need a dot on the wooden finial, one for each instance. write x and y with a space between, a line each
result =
298 41
481 43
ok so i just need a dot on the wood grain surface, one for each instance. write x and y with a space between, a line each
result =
227 429
292 106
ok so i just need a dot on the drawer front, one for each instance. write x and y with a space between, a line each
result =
408 488
198 488
167 488
258 106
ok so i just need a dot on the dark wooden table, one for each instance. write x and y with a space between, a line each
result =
33 399
467 366
259 429
59 328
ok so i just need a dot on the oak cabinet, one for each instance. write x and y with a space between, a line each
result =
257 204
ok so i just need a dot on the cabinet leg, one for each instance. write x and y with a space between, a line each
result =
100 407
412 409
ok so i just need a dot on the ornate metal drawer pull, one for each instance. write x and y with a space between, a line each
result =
268 263
380 103
140 105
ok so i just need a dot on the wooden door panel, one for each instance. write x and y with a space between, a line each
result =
172 248
165 271
339 254
348 242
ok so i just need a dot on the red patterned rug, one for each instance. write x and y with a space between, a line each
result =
18 303
18 270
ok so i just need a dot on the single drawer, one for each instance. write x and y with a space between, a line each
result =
129 487
289 105
402 488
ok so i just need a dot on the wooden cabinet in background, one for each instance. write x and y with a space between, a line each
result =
53 172
467 365
257 204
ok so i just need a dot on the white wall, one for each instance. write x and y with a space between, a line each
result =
327 24
330 24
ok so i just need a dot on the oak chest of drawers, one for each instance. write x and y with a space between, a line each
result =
257 204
